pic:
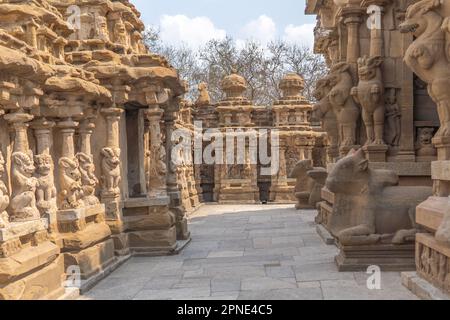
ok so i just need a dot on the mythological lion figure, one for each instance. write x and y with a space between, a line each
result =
323 111
46 192
23 203
4 196
111 170
347 112
370 95
70 181
88 179
428 56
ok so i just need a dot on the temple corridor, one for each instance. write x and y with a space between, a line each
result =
246 252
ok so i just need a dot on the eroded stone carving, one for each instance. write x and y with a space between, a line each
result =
347 113
111 170
203 97
425 142
23 201
4 196
46 193
88 179
393 117
370 95
427 56
71 194
323 111
309 182
380 211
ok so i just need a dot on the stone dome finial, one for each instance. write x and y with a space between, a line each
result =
292 85
234 85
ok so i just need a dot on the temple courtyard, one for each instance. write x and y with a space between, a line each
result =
247 252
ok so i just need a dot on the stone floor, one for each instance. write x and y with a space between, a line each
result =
246 252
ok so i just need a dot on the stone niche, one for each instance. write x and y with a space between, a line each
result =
371 101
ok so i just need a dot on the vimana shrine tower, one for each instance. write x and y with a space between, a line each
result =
90 175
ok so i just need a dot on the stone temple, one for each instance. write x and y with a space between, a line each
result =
94 171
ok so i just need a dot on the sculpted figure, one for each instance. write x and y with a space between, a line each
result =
4 196
111 170
203 97
120 33
71 193
23 203
323 111
46 192
424 142
310 181
347 112
370 208
370 95
393 117
102 28
428 56
88 179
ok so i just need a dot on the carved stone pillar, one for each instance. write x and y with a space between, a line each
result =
86 162
352 20
23 201
71 193
46 193
111 169
158 164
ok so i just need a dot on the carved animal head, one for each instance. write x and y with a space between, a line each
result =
44 164
301 168
23 163
425 136
85 161
202 87
70 168
419 15
337 71
368 67
111 157
350 174
322 88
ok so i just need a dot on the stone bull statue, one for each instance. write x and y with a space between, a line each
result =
310 181
370 207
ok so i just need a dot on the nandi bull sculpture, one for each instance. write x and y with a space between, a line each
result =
370 208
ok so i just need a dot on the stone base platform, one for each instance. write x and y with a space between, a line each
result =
386 256
422 288
325 235
45 283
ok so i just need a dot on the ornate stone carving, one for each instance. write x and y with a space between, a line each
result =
370 207
23 201
424 143
347 113
203 96
393 117
370 95
4 196
323 111
111 170
88 179
46 193
71 194
428 56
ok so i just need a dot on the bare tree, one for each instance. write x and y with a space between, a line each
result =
262 66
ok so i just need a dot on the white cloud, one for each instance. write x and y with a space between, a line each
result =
194 32
263 29
301 35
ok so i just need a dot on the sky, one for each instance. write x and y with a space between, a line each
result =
194 22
